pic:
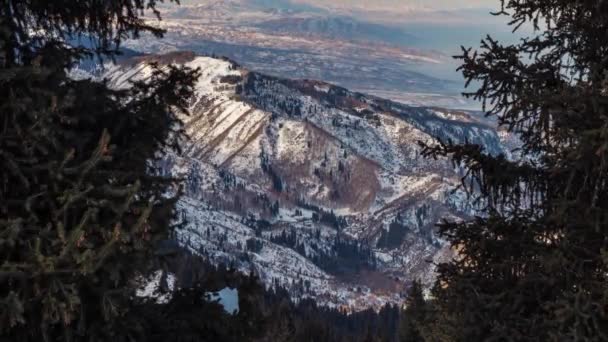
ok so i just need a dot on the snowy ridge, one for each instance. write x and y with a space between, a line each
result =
311 186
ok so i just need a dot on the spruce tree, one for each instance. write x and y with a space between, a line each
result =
414 315
534 265
80 206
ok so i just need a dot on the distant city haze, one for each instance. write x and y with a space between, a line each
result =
396 49
407 4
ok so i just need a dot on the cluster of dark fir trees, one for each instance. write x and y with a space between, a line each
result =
83 218
264 314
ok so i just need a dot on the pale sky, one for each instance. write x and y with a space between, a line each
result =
404 4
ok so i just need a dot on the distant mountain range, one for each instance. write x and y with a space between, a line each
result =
346 28
314 187
402 57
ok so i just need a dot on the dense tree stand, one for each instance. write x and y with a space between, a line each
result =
534 266
80 209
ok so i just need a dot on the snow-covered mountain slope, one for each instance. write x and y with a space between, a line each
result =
313 187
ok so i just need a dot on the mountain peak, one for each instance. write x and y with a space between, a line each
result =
314 187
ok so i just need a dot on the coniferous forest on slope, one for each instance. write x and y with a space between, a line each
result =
84 216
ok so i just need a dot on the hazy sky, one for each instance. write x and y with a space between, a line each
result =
413 4
448 4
